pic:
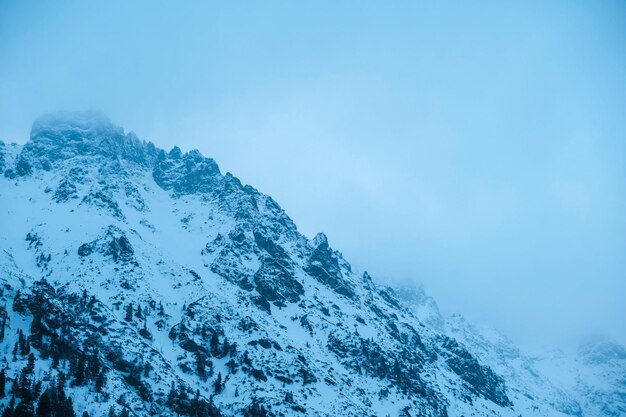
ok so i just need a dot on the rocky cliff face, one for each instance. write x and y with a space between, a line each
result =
137 281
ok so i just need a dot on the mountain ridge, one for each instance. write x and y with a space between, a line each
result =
194 294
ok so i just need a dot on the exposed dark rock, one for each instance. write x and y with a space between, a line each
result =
104 200
85 249
276 283
481 379
113 243
323 265
262 303
186 174
274 250
65 191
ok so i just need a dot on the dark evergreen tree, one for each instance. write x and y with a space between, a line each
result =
79 371
225 347
218 383
139 314
3 327
25 381
215 341
37 332
44 406
93 365
101 381
56 356
255 409
3 382
67 409
129 312
201 361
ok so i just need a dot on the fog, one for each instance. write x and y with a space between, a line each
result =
480 150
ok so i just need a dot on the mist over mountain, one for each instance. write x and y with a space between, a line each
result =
480 145
139 281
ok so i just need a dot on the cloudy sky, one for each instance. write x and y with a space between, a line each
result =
478 149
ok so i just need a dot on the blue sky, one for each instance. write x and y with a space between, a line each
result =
479 149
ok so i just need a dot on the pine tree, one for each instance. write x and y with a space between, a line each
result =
56 356
93 365
27 346
37 330
218 383
44 406
21 341
225 347
129 312
214 344
79 371
255 409
3 382
139 314
67 409
201 365
3 327
25 380
101 381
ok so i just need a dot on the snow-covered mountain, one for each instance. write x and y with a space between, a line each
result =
142 282
589 380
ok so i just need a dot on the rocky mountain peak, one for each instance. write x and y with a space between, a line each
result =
320 239
186 173
62 136
93 122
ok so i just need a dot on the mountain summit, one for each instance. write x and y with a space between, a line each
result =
137 281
